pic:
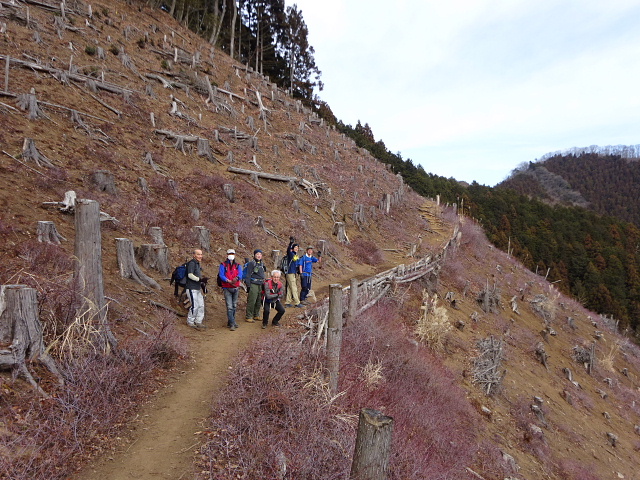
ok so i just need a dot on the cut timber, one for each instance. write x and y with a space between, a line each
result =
154 256
373 444
21 329
128 266
48 233
268 176
91 307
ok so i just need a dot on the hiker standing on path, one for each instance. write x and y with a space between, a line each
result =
306 271
230 276
254 276
272 291
293 269
194 290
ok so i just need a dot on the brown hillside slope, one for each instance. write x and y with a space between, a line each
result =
115 99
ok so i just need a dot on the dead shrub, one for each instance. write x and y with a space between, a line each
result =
433 324
365 251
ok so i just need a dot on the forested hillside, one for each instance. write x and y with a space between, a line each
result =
606 184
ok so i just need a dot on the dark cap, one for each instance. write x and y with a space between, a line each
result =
257 250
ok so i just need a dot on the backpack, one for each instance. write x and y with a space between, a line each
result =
284 264
179 275
219 280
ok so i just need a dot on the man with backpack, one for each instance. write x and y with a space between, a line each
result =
229 277
272 291
254 276
194 290
291 268
306 272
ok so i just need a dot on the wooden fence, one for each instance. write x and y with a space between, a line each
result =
371 290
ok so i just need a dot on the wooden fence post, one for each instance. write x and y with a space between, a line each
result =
87 275
353 300
275 257
373 443
334 335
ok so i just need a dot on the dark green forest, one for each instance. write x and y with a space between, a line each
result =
594 258
591 256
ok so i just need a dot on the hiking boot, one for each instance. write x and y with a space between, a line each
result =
199 326
233 327
192 325
288 305
257 319
300 305
264 326
275 324
249 320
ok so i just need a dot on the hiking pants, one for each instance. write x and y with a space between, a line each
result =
196 311
292 290
231 299
254 301
267 309
306 286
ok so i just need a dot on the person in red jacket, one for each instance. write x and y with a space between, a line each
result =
272 291
230 277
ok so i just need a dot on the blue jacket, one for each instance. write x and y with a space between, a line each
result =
294 262
307 264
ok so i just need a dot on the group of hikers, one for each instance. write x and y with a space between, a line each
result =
264 291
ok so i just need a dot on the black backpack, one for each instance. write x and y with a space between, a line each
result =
284 264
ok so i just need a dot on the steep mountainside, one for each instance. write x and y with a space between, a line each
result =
606 184
120 104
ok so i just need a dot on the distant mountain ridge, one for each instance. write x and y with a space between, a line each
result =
605 183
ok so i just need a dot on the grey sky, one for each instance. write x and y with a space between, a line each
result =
470 89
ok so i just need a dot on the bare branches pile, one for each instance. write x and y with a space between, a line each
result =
487 367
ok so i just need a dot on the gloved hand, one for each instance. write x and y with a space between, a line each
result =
204 280
292 240
319 253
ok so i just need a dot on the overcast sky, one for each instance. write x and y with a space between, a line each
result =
472 88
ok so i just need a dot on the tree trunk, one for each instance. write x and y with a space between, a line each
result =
154 256
20 327
334 336
91 308
228 191
373 443
48 233
128 266
275 258
234 16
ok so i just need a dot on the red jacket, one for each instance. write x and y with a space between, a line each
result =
231 270
272 291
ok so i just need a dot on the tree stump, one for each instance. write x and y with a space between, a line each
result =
128 266
156 235
275 258
334 336
154 256
21 333
339 231
48 233
104 181
228 191
322 247
373 444
91 307
296 206
203 238
144 185
31 153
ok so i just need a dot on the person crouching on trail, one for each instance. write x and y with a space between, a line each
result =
254 277
194 290
230 276
272 291
306 271
293 299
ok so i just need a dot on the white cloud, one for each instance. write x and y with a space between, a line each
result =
480 86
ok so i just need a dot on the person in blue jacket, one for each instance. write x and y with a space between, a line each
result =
230 273
306 271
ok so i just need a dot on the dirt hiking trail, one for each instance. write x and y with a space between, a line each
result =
165 434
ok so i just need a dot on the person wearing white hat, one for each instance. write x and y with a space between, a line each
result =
230 274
